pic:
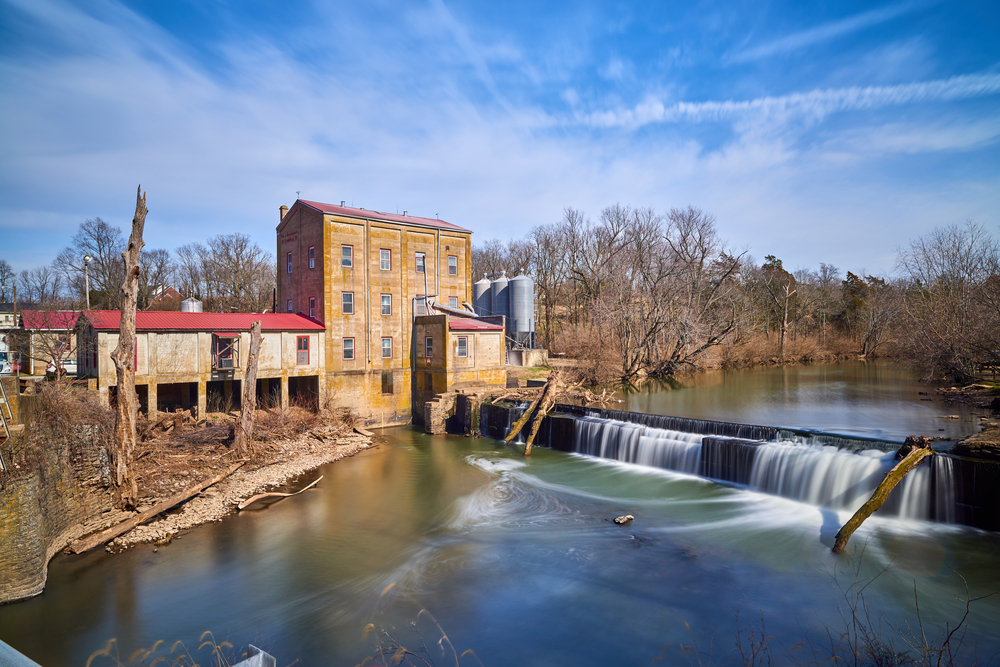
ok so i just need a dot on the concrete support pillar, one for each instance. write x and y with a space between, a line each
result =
151 400
284 392
202 399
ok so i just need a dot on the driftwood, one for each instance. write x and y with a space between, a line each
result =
543 402
275 494
916 450
96 540
243 441
126 401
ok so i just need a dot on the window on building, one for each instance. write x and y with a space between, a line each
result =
385 259
421 266
288 258
312 257
387 304
348 302
463 346
225 351
386 382
387 348
453 301
420 305
348 348
312 306
302 350
347 256
452 265
290 306
429 347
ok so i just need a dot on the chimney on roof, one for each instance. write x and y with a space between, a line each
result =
283 210
404 214
342 202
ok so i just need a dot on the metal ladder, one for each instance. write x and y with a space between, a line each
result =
6 416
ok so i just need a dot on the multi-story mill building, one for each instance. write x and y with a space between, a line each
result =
364 275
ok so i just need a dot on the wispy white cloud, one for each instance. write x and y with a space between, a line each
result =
814 104
825 32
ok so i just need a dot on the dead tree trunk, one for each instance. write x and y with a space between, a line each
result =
919 449
549 395
127 403
243 442
544 402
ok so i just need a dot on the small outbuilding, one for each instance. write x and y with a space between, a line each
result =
198 360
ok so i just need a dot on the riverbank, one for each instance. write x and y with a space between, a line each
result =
57 488
288 459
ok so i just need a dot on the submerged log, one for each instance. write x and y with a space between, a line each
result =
916 449
97 539
276 494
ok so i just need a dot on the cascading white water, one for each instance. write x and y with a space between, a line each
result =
634 443
817 475
821 475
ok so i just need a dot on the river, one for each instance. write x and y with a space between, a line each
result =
518 559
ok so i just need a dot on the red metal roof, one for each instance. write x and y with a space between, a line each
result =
104 320
469 324
49 319
388 217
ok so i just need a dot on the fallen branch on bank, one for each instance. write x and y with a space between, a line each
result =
917 449
275 494
97 539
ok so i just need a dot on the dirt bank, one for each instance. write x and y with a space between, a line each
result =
288 458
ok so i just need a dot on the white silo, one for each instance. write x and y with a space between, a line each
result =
522 308
500 296
482 297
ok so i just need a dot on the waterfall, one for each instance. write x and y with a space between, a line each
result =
831 471
635 443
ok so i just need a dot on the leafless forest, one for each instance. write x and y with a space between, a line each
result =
638 293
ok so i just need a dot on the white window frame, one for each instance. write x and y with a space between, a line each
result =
385 259
348 257
384 340
463 342
347 299
345 348
383 300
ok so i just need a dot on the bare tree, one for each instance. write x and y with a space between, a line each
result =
550 271
127 403
7 281
952 321
104 243
229 273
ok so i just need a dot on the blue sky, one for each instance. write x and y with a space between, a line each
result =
817 132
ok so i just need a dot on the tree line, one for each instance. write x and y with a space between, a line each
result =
641 293
227 273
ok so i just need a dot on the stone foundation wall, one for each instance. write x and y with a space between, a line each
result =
42 512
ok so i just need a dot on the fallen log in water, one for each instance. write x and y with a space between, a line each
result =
97 539
544 402
917 449
275 494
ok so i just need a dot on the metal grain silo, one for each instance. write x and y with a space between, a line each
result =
191 305
482 297
522 306
501 297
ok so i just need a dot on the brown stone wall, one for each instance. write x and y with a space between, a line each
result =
302 227
42 512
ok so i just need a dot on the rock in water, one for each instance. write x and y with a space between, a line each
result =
623 519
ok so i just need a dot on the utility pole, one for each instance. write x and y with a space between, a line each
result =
87 259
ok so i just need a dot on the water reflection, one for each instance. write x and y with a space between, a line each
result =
876 399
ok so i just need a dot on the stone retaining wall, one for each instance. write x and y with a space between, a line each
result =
42 512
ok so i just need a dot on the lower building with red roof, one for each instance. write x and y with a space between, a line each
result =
198 360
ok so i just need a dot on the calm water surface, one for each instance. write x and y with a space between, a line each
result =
516 558
869 399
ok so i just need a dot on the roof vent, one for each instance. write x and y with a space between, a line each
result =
404 214
342 202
